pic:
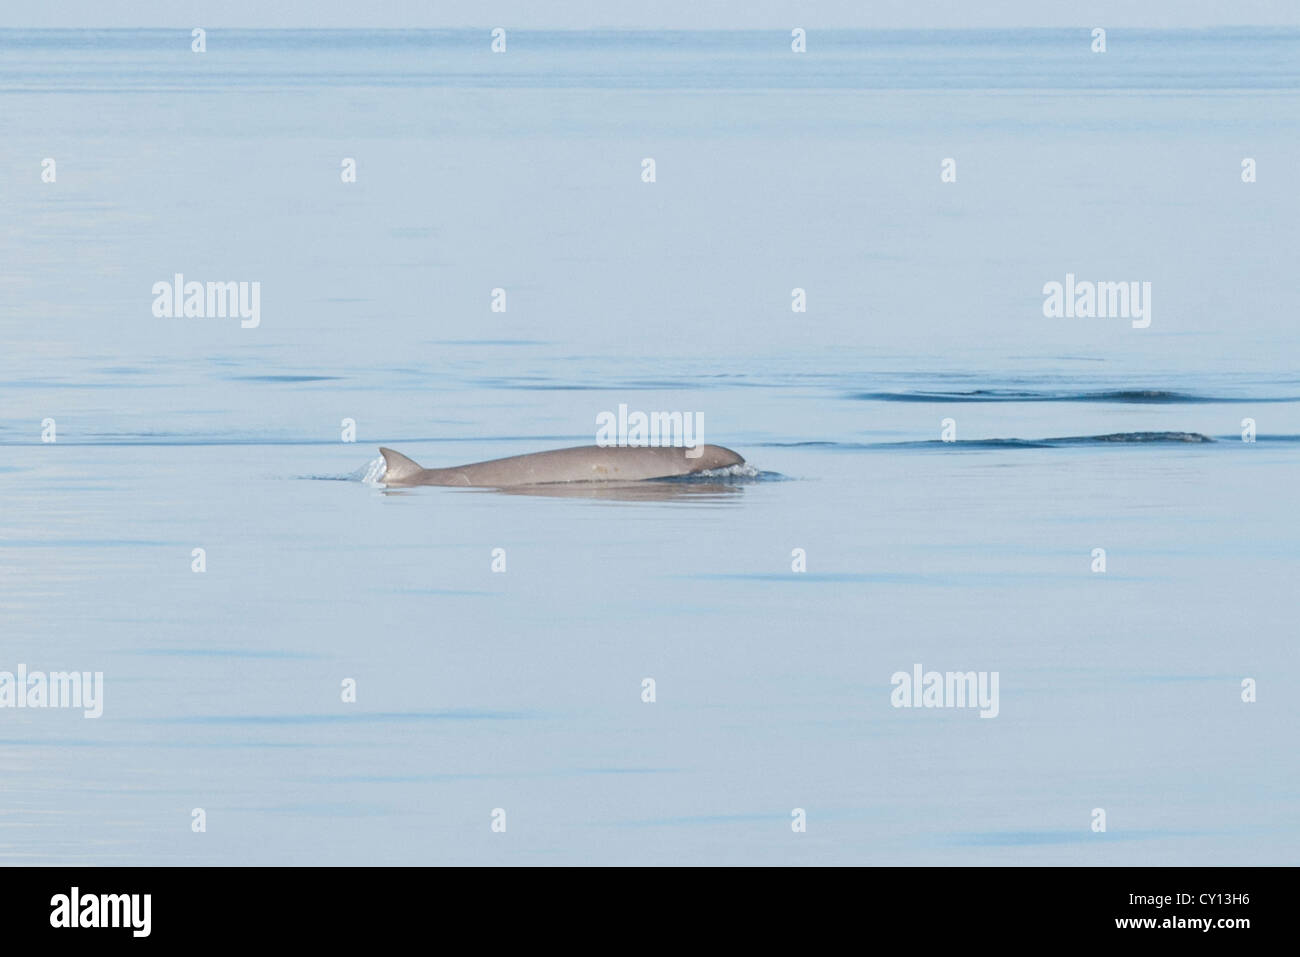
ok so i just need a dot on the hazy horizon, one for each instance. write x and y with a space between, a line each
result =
668 15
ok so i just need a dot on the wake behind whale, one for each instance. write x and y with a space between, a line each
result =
1111 438
1117 396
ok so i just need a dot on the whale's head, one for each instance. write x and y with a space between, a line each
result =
717 457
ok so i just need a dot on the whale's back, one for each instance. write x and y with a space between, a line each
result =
591 463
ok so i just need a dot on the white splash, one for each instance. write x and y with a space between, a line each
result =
744 470
374 472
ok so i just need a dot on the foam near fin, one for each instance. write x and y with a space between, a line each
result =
397 466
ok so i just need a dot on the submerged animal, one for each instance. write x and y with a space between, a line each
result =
588 463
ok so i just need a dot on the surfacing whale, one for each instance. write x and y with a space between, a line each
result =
588 463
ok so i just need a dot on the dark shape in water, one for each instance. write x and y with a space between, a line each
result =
1115 438
1133 396
1138 437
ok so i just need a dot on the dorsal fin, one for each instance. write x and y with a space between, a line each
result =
397 466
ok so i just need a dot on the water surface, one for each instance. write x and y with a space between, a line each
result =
522 690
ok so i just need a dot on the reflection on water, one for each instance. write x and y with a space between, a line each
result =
649 491
652 490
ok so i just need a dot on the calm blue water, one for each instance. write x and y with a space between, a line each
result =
522 690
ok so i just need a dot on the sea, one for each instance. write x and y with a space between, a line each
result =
838 259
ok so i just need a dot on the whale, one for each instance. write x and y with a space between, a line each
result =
587 463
